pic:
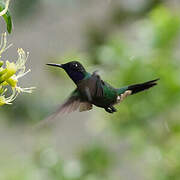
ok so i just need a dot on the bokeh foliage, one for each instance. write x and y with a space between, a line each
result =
150 119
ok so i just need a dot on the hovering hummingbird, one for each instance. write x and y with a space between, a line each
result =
92 90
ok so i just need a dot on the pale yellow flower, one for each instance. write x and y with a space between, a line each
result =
20 72
3 44
10 74
8 100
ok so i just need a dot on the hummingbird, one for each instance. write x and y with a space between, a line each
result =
92 90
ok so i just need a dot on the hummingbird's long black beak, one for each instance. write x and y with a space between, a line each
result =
57 65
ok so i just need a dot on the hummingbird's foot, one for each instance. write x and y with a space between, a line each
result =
110 109
113 108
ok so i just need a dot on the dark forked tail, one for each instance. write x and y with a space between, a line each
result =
141 87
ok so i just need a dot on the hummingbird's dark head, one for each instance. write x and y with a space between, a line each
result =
74 69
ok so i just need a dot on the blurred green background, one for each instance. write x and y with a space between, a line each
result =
129 41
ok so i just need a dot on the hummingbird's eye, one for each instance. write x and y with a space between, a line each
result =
75 66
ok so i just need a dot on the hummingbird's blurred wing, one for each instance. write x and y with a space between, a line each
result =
92 87
98 84
73 103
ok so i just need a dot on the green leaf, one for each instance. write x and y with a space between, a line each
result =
7 18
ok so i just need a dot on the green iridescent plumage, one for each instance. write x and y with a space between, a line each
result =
92 90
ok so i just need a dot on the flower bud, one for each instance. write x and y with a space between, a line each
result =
2 71
10 71
12 82
1 63
2 100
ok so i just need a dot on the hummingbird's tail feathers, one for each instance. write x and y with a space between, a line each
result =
143 86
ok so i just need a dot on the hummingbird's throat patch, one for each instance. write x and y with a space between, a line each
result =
121 97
